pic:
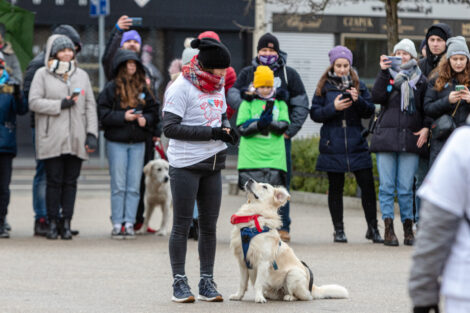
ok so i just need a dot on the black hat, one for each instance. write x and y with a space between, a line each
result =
70 32
122 56
212 53
441 30
268 40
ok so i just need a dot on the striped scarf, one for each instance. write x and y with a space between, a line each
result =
405 80
204 81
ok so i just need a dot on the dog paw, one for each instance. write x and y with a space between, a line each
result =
290 298
260 299
236 297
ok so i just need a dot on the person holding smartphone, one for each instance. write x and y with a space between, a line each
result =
66 128
442 98
127 111
400 136
341 100
261 123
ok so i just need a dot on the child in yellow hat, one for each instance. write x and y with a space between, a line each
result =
262 122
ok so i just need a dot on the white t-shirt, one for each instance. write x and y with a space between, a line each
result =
197 109
448 186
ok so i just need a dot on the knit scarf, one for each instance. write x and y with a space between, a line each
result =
341 82
407 77
204 81
62 68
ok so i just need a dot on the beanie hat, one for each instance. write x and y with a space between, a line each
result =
209 34
340 52
422 45
61 43
437 31
212 53
407 46
131 35
457 45
188 55
264 76
268 41
70 32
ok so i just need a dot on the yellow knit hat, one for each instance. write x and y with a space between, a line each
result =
264 76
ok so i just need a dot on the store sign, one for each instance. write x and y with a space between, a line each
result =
431 9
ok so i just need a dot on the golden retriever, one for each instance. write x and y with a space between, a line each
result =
157 193
276 272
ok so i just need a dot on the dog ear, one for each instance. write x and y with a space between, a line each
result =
281 196
148 168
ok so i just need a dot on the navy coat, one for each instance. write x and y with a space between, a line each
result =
342 147
9 108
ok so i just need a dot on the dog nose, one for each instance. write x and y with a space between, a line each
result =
166 179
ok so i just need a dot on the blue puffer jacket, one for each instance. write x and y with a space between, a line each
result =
9 108
342 147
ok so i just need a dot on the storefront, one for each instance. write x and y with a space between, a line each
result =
361 26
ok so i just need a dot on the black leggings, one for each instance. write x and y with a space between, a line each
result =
365 180
187 186
6 161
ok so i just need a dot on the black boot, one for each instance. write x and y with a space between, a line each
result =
3 231
408 231
41 227
339 235
53 232
66 232
390 238
373 233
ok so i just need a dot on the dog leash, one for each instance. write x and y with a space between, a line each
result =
310 283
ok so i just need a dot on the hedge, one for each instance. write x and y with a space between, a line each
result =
306 178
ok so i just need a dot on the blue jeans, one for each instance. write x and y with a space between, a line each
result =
126 162
285 210
422 171
39 186
396 172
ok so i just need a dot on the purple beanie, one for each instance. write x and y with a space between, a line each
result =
340 52
131 35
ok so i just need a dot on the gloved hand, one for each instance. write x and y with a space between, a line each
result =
91 141
426 309
234 136
67 103
220 134
265 119
246 94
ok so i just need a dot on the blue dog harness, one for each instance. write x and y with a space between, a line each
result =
247 234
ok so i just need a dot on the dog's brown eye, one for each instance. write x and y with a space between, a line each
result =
265 187
159 169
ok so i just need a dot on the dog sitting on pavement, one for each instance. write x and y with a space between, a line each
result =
157 193
271 265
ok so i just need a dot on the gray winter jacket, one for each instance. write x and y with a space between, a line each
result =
62 131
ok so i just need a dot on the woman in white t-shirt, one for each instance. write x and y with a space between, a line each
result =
195 121
442 250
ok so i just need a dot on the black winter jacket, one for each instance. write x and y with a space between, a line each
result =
394 129
342 147
33 66
431 61
436 104
297 100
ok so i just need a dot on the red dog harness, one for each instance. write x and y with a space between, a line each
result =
235 219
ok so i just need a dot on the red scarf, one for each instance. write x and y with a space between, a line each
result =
204 81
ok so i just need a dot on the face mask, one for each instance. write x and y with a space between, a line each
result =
268 59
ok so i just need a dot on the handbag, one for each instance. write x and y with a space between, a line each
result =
444 125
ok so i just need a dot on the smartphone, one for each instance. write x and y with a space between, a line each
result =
138 110
396 61
459 87
346 95
136 21
76 92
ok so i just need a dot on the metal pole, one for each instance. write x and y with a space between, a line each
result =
101 79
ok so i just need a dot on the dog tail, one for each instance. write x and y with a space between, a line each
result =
329 292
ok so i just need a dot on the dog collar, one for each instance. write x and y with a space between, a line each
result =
235 219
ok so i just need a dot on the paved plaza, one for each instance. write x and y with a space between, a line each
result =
93 273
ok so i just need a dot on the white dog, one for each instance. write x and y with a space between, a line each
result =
276 273
157 192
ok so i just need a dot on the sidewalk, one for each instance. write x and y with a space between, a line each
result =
93 273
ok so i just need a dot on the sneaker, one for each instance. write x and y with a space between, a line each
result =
117 233
4 232
129 232
41 227
7 225
208 291
181 291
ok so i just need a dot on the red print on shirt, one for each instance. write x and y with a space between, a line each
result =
212 111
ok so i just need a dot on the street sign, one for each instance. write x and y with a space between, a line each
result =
99 8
